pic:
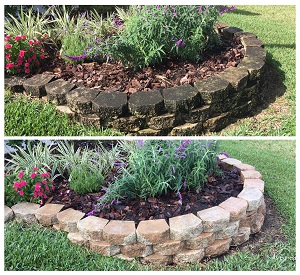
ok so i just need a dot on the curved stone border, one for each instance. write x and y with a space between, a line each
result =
187 238
209 105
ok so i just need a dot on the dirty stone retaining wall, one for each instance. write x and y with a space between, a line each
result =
209 105
187 238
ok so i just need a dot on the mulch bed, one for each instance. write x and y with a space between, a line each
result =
112 77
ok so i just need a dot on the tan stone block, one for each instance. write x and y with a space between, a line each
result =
118 232
91 227
47 214
229 231
123 257
256 226
189 256
153 231
249 219
25 211
77 238
237 207
200 242
253 196
169 247
214 219
218 247
56 227
242 236
262 207
8 214
251 174
185 227
157 259
244 167
254 183
68 220
230 163
104 248
137 250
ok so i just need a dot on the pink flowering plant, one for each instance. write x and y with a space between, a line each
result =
34 186
22 55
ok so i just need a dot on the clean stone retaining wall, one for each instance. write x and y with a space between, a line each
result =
187 238
208 105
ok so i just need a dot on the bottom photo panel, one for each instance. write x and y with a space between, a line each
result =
150 205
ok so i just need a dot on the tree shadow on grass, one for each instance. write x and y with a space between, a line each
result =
243 12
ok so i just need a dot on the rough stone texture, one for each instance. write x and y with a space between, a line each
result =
166 121
229 32
251 174
229 231
256 52
104 248
251 42
202 241
8 214
66 110
35 86
254 66
189 256
249 219
200 114
237 207
137 250
230 163
131 123
153 231
14 83
185 227
214 219
262 207
157 259
91 228
218 122
241 236
47 214
123 257
25 211
77 238
68 219
56 227
149 132
243 167
168 247
218 247
237 77
253 197
254 183
187 129
57 90
90 119
119 232
256 226
146 103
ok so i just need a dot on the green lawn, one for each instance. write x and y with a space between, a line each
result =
35 248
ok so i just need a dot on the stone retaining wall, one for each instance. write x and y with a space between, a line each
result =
187 238
208 105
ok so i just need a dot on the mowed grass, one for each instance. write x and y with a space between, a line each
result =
276 27
43 249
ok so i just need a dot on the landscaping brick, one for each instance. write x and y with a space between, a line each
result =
251 42
256 226
153 231
251 174
229 231
187 129
89 119
26 211
229 32
241 236
214 219
254 183
237 77
249 219
123 257
104 248
237 207
14 83
131 123
230 163
253 197
243 167
35 86
68 220
91 227
47 214
166 121
217 122
262 207
256 52
157 259
202 241
169 247
137 250
197 115
119 232
77 238
65 110
185 227
254 66
56 91
8 214
218 247
149 132
189 256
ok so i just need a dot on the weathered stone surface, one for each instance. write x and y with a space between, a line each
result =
166 121
90 119
222 156
104 248
237 77
242 110
229 32
68 219
230 163
256 226
255 67
202 241
251 42
149 132
245 34
119 232
123 257
262 207
217 123
56 91
77 238
254 183
213 89
197 115
14 83
25 211
214 219
186 129
131 123
91 228
47 214
185 227
157 259
181 99
229 231
237 207
80 99
256 52
241 236
249 220
146 103
35 86
65 110
251 174
110 104
153 231
243 167
189 256
218 247
137 250
169 247
253 196
56 227
8 214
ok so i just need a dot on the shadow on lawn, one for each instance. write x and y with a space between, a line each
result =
243 12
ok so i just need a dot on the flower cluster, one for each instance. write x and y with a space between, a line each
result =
22 55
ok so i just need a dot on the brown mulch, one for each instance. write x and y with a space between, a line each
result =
115 77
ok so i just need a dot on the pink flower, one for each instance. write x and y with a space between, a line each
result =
20 61
44 181
27 71
35 169
20 175
34 57
45 196
33 175
8 56
9 65
42 56
8 46
31 49
21 193
7 38
45 174
30 42
53 188
29 59
17 185
23 183
23 36
37 187
37 62
21 53
4 174
47 187
26 64
18 37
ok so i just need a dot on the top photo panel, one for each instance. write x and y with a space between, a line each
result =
150 70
